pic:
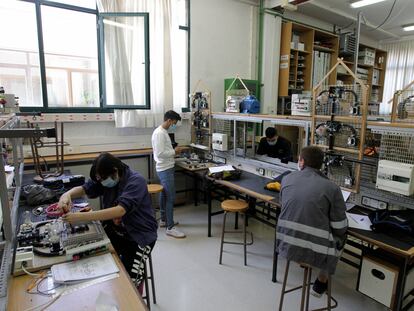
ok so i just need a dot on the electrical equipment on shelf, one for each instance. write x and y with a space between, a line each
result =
201 110
220 142
233 103
327 131
405 108
333 162
301 105
395 177
347 44
338 101
250 104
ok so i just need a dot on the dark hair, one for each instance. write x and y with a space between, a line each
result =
271 132
104 165
171 115
312 156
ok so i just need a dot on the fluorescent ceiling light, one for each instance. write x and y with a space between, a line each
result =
408 28
362 3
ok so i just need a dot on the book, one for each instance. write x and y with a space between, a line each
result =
84 269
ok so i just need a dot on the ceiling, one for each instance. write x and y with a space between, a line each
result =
340 13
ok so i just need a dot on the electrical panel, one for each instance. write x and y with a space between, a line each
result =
220 142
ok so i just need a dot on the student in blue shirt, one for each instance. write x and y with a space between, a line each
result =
128 216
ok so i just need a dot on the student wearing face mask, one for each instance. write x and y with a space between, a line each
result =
275 146
128 216
164 155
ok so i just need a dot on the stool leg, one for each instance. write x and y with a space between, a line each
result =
222 236
308 285
282 296
152 279
329 293
303 298
147 296
244 231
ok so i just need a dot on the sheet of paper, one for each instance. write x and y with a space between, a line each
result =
359 221
8 168
218 169
349 206
84 269
345 194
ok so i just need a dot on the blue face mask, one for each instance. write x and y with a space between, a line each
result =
173 127
109 182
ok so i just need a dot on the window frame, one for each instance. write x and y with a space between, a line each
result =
101 59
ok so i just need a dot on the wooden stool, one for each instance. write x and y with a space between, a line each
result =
154 189
306 285
234 206
149 277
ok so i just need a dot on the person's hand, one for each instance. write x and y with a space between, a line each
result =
74 217
117 221
65 203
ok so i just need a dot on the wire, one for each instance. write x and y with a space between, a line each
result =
388 16
345 27
47 304
29 273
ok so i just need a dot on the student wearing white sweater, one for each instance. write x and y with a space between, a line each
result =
164 157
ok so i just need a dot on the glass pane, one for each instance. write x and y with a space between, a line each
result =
90 4
84 89
124 60
57 88
19 52
70 43
181 14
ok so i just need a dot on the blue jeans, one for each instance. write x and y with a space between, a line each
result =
167 196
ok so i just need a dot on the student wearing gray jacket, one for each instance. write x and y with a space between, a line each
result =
312 224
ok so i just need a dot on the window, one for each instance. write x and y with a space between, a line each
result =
71 58
124 37
19 53
63 56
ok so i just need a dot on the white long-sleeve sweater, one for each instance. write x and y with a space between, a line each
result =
163 150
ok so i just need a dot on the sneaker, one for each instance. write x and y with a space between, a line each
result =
163 223
319 288
175 233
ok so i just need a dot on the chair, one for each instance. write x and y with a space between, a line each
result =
235 206
306 285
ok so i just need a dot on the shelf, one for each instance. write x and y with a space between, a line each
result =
378 68
299 51
347 62
323 49
365 66
353 119
340 149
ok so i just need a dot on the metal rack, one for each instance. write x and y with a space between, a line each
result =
339 122
11 131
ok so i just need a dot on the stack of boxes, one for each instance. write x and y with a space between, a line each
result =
366 57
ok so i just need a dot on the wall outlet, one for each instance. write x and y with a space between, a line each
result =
261 171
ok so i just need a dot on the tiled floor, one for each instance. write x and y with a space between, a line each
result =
189 278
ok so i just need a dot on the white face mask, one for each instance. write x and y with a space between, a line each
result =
299 167
271 143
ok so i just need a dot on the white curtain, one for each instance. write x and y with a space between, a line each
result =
399 71
165 44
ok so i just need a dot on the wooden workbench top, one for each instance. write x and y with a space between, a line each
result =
120 289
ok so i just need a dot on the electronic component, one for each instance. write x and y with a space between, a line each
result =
24 255
233 103
250 104
220 142
332 101
395 177
301 105
373 203
405 108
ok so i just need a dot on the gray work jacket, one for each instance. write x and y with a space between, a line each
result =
312 225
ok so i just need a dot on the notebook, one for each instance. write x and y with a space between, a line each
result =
84 269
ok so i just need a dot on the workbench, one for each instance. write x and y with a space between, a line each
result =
251 188
120 289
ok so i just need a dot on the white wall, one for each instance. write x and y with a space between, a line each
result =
98 136
223 44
